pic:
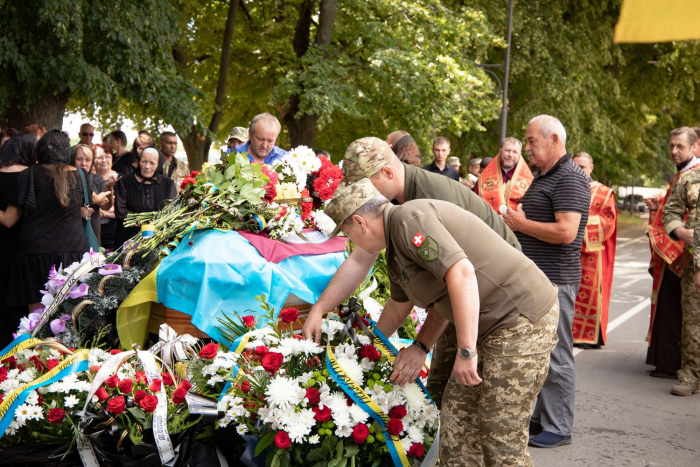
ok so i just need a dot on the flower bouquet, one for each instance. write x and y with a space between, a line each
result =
317 405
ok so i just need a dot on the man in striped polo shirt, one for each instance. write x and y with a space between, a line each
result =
550 224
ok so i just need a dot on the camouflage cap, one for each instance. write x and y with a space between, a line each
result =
349 199
240 133
475 161
365 157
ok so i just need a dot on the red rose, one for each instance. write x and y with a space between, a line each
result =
56 416
2 397
11 361
149 403
370 352
95 368
261 350
398 411
184 384
357 326
270 193
112 381
416 450
116 405
209 351
394 427
52 363
360 433
272 361
39 401
140 377
3 377
126 385
289 315
155 385
424 373
245 386
140 394
322 415
179 395
115 351
194 173
249 321
282 440
313 395
167 379
102 394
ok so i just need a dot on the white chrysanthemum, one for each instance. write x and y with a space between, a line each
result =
358 414
364 340
28 353
27 375
366 364
215 379
254 343
298 432
43 390
406 443
225 360
352 368
54 353
314 439
305 377
70 401
22 413
284 392
323 222
343 431
210 370
415 434
12 373
305 417
415 397
97 356
32 398
345 350
331 327
241 429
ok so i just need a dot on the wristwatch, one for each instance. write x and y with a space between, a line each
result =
466 353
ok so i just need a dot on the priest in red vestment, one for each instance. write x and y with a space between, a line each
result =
597 262
506 179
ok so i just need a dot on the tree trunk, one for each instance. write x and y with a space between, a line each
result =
304 129
47 111
197 146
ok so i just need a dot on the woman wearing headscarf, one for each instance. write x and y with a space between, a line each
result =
145 190
48 200
15 156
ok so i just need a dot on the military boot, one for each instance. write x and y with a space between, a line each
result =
685 389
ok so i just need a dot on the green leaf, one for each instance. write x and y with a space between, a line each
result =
352 450
264 442
138 414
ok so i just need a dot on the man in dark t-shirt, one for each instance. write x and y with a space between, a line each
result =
550 224
441 149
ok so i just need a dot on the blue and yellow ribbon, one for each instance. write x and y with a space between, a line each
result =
76 363
361 398
22 342
237 347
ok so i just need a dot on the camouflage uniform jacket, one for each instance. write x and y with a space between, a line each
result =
682 201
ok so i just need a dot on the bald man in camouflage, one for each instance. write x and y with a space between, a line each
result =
373 158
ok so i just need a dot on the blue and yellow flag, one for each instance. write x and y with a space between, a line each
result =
650 21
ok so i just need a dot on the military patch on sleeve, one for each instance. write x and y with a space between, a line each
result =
418 239
429 249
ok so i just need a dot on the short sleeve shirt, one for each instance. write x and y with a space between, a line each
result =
564 188
421 184
427 237
448 171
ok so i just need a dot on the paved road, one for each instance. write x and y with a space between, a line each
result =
624 417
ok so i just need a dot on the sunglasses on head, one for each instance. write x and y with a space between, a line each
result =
87 134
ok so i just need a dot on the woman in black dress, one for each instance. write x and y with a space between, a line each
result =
15 156
48 199
145 190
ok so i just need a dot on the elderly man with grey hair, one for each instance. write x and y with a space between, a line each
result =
263 132
550 223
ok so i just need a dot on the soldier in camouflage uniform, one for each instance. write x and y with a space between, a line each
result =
505 313
373 158
683 202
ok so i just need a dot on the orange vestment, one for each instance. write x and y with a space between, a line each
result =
597 262
496 193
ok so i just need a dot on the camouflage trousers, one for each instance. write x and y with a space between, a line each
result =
690 337
487 424
444 354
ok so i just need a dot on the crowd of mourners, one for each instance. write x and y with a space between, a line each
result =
504 312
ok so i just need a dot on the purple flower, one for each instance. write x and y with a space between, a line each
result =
59 325
34 319
79 291
110 269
